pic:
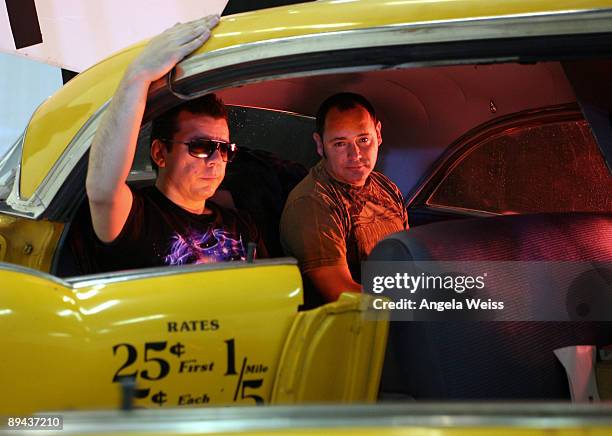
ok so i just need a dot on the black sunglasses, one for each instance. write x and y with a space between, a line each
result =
204 148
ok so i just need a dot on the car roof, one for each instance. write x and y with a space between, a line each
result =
56 122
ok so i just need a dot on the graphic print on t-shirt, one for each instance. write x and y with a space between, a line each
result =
212 245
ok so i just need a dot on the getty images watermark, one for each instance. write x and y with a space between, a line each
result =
490 291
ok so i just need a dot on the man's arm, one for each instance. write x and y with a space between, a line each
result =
331 281
113 147
314 232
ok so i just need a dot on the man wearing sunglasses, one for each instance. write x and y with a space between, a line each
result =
333 218
173 222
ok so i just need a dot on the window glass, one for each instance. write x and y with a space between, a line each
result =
8 168
285 134
555 167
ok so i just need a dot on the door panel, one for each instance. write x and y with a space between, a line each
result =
28 242
202 335
188 337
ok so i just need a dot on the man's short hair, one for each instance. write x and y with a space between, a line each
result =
166 125
342 101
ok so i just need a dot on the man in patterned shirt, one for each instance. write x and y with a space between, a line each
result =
174 222
342 208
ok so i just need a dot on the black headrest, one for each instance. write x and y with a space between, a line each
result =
541 237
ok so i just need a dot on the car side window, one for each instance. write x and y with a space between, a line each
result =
287 135
8 168
555 167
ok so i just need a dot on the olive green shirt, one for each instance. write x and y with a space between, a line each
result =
329 223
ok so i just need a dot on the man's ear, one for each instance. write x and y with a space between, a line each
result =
319 142
379 132
158 153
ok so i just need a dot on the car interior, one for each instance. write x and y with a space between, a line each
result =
432 118
436 119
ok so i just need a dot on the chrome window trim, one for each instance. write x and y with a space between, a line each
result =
163 271
482 28
5 266
510 26
18 144
42 197
5 157
15 188
384 416
458 210
79 282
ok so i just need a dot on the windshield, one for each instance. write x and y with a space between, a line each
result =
8 168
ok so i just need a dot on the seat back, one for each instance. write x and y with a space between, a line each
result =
259 183
488 359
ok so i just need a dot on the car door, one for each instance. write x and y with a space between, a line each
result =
175 337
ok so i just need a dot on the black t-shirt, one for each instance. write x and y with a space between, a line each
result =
158 232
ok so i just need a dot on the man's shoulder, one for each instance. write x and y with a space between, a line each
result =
312 188
384 182
305 188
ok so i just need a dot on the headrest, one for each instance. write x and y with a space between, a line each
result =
537 237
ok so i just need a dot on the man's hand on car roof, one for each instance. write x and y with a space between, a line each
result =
165 50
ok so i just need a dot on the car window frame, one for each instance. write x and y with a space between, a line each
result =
460 149
519 182
7 165
514 38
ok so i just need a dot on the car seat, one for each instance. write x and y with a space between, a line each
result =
492 359
259 182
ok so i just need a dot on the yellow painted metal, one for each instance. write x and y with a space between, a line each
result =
3 245
190 339
27 242
333 354
395 431
333 15
57 120
422 431
60 117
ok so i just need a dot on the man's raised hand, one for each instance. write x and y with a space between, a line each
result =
165 50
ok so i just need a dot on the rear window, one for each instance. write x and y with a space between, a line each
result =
555 167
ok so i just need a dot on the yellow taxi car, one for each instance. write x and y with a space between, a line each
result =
490 111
